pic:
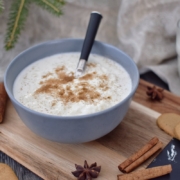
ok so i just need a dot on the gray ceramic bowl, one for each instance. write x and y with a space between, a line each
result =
71 129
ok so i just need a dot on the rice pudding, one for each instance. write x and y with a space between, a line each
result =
49 86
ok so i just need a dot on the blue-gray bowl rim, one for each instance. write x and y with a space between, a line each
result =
77 117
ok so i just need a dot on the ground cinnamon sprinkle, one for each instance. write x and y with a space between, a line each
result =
61 68
46 75
87 76
65 88
91 65
103 77
53 103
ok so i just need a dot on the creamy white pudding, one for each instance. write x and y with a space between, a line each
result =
49 86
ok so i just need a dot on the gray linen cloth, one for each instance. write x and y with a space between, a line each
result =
144 29
147 32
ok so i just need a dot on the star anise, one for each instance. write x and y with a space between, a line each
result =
155 93
87 172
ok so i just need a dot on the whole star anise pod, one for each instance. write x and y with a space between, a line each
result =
87 172
155 93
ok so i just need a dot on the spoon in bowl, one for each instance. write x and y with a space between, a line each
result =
91 32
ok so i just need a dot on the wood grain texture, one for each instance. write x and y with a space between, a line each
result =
52 160
135 130
170 103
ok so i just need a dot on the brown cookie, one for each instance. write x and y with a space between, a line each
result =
177 131
168 122
6 173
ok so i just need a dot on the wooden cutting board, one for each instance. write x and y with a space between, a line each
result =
55 161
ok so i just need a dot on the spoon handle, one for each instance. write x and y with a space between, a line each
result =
94 22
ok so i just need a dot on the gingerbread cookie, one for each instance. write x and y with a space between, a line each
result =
177 131
6 173
168 122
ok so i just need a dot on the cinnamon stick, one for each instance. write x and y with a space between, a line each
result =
144 157
149 173
3 101
138 154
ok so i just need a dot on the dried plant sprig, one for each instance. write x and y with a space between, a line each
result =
1 6
19 13
16 21
53 6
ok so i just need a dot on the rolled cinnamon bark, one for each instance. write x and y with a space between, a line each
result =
144 157
149 173
3 101
138 154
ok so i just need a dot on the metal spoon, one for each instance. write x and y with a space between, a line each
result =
91 32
